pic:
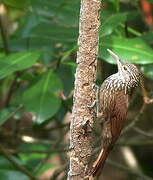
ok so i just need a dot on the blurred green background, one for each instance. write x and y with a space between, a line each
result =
38 46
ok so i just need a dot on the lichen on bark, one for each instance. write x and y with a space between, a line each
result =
82 119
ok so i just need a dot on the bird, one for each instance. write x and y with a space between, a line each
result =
113 105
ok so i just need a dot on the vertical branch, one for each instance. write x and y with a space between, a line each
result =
4 36
82 118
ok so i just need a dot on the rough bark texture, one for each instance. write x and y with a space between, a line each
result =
82 118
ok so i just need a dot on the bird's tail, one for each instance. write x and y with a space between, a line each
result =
99 163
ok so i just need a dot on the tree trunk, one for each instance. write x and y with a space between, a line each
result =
82 117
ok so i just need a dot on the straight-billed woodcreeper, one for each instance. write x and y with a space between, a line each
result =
113 105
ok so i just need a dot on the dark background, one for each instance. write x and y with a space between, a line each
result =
38 46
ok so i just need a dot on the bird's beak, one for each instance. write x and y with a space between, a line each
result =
117 59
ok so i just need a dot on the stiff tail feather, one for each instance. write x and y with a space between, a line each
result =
99 163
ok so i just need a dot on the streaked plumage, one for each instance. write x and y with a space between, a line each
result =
114 105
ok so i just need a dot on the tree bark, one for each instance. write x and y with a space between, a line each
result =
82 120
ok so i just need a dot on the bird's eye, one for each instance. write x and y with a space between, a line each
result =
124 67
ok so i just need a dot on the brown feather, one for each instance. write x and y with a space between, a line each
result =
118 115
99 163
113 106
115 125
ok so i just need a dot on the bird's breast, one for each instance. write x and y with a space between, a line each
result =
113 102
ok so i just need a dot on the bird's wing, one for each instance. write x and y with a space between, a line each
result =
119 114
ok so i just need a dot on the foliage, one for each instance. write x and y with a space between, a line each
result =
39 69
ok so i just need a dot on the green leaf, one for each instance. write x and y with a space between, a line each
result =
63 11
45 167
17 3
147 70
55 33
16 62
24 28
33 155
133 50
148 37
7 165
41 98
12 175
35 43
9 172
68 77
33 158
151 1
110 24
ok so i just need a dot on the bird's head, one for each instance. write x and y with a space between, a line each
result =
127 71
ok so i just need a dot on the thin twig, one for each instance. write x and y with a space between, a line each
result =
48 153
18 166
64 102
146 101
135 143
54 150
140 131
12 114
130 171
123 143
62 156
136 119
58 62
58 127
143 89
59 171
10 90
